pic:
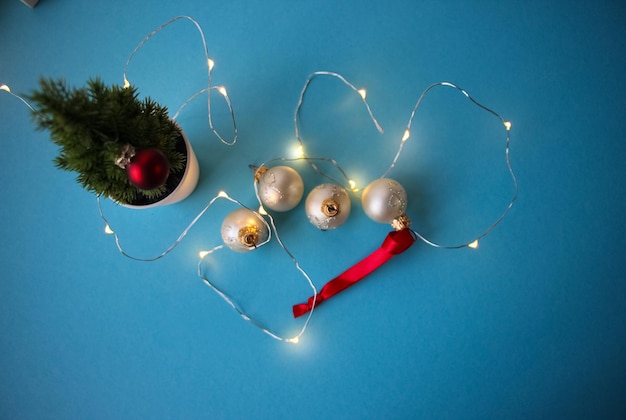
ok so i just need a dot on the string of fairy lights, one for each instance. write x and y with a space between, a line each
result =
279 188
210 64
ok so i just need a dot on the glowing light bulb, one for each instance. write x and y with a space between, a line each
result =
108 230
222 90
363 93
507 124
126 83
297 150
262 211
352 185
211 64
474 244
222 194
407 134
294 340
5 88
203 254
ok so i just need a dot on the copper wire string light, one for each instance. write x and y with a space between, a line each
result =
210 64
7 89
203 254
406 135
507 126
263 214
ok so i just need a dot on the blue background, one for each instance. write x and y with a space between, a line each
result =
529 325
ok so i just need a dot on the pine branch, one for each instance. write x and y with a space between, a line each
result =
92 124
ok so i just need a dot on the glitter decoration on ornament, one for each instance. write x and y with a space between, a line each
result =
384 200
328 206
280 187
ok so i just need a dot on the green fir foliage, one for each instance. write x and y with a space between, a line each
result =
92 124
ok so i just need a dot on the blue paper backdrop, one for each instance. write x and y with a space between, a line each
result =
529 325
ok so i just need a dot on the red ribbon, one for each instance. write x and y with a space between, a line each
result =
395 243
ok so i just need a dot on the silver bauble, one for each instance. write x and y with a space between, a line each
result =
384 200
243 230
280 188
327 206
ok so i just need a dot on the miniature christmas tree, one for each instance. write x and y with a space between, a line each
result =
120 146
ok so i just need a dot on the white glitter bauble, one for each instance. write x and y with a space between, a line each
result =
327 206
280 188
243 230
384 200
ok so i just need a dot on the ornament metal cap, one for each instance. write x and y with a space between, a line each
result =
401 222
258 171
330 207
248 236
126 154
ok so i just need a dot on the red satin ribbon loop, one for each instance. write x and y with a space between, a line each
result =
395 243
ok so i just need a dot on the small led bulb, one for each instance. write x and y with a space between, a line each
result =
297 150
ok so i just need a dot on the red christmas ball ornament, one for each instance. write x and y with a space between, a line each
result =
148 169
